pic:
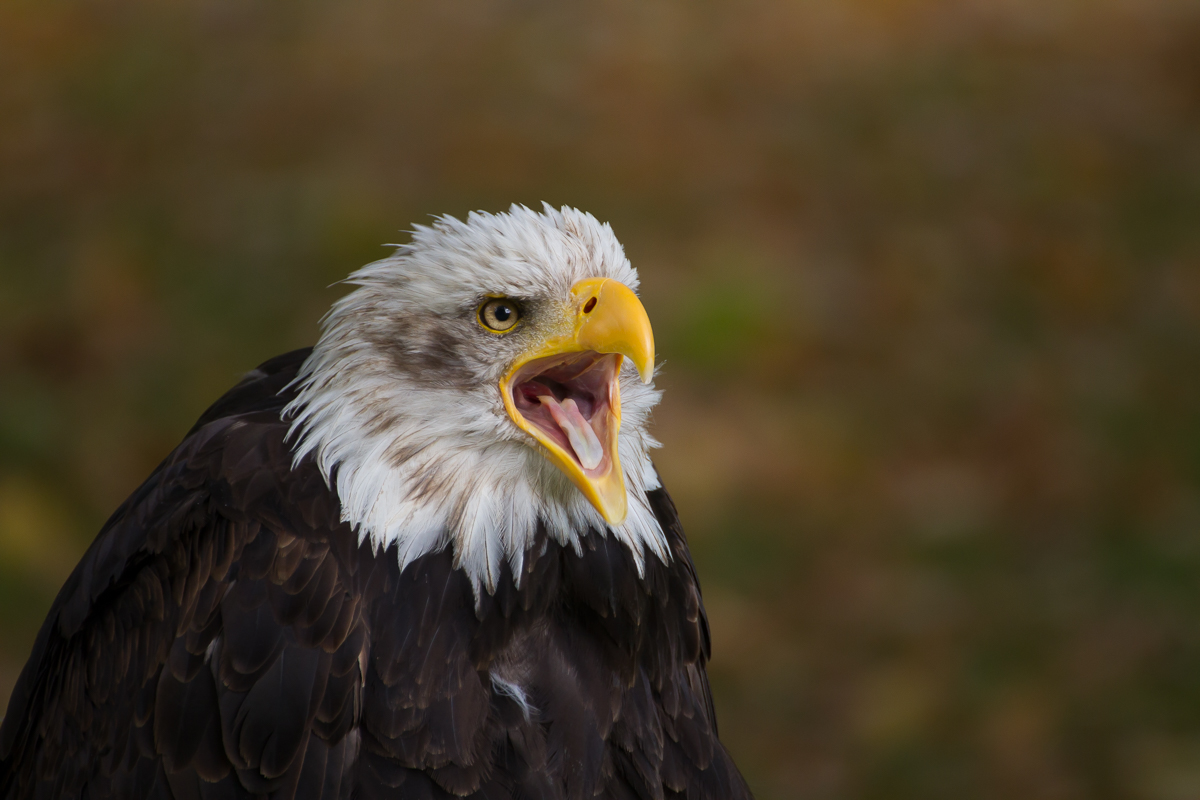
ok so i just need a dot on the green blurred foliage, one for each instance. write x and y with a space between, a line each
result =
925 276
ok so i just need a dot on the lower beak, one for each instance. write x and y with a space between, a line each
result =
565 391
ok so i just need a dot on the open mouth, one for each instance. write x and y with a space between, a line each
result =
572 400
564 393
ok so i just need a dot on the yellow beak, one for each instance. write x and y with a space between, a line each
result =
565 391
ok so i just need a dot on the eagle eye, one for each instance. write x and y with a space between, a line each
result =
499 314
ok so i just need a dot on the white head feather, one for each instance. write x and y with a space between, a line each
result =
400 407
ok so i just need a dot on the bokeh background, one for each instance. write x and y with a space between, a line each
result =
925 275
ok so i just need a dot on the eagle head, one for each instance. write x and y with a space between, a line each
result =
490 378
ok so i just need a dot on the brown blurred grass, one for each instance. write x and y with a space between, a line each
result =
925 275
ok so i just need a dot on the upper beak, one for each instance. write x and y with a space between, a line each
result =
565 391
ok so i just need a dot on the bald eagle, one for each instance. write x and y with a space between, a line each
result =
428 557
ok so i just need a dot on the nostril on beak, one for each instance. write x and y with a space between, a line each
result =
587 308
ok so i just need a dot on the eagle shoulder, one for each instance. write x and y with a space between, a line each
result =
211 631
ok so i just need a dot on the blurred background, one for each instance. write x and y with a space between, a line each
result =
925 275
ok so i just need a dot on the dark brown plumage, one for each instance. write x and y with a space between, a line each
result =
226 635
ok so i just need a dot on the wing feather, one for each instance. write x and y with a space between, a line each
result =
162 669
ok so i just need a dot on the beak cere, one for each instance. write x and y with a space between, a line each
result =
565 391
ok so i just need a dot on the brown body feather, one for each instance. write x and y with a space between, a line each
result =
226 636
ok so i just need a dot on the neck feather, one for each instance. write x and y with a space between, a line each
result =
425 468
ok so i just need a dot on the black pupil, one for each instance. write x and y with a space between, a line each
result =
501 312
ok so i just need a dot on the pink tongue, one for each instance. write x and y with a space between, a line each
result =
579 433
